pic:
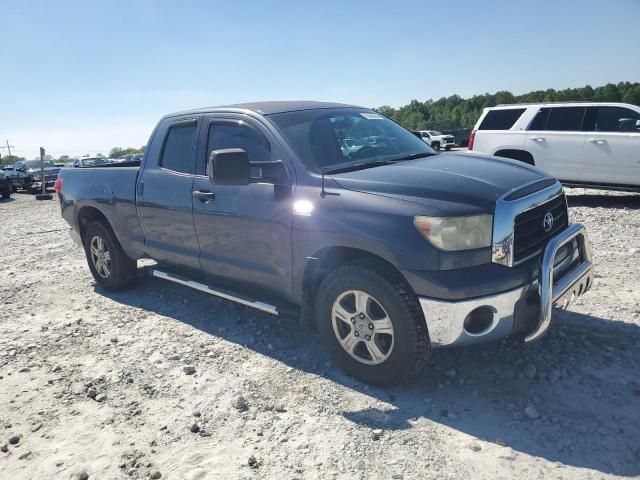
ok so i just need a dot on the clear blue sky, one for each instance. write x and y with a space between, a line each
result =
84 76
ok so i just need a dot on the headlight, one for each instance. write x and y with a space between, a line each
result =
456 233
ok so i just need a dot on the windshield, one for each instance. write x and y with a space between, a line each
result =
342 137
435 133
36 164
92 162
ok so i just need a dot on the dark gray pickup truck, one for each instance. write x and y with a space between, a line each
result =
341 215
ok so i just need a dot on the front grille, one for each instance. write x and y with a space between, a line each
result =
529 236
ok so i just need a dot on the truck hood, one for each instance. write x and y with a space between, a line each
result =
452 182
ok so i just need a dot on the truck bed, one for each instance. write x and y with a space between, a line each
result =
111 189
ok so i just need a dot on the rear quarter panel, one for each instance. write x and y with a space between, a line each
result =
491 141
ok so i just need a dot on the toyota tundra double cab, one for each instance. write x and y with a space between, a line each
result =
341 216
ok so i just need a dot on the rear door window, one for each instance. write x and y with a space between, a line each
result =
540 120
565 119
502 119
176 153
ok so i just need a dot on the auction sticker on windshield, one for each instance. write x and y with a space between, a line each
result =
372 116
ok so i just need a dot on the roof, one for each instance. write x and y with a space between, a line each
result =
576 103
268 108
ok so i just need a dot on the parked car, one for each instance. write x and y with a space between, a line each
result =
392 249
131 157
85 162
27 175
583 144
6 187
437 140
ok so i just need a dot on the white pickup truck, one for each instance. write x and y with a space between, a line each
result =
582 144
437 140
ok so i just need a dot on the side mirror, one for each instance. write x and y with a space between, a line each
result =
229 167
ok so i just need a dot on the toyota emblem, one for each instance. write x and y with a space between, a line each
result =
547 222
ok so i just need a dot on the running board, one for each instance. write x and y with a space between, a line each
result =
265 307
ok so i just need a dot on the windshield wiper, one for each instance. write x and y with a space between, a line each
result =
357 166
413 156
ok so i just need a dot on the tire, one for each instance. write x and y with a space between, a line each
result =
14 188
403 353
436 146
6 193
447 148
115 272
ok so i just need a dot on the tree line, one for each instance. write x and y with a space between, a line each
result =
455 112
115 152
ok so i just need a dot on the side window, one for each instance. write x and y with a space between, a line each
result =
502 119
616 119
238 135
540 120
565 119
176 153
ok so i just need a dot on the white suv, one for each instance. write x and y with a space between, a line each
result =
582 144
437 140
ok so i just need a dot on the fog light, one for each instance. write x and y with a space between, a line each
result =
479 321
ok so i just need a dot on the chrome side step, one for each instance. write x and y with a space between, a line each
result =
265 307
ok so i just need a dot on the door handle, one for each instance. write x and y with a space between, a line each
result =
537 139
204 196
140 187
598 141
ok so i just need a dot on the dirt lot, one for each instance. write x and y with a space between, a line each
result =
93 384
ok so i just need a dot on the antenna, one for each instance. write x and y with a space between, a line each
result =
322 192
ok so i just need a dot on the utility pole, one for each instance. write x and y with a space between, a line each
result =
8 147
44 195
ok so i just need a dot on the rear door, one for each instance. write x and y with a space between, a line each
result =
244 231
556 141
612 147
164 193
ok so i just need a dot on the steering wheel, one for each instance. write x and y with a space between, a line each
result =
361 150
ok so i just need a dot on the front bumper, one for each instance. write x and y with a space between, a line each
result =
526 308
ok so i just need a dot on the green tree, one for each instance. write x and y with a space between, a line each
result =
10 159
456 112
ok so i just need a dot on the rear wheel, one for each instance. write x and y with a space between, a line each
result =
110 266
435 146
371 324
6 193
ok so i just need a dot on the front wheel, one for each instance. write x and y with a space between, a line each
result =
110 266
371 324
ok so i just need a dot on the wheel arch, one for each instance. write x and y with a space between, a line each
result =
88 214
516 154
329 258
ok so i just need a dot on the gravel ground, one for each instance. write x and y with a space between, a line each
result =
164 382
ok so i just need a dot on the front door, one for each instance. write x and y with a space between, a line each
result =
164 193
556 141
612 147
244 232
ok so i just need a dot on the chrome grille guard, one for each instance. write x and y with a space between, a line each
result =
570 285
